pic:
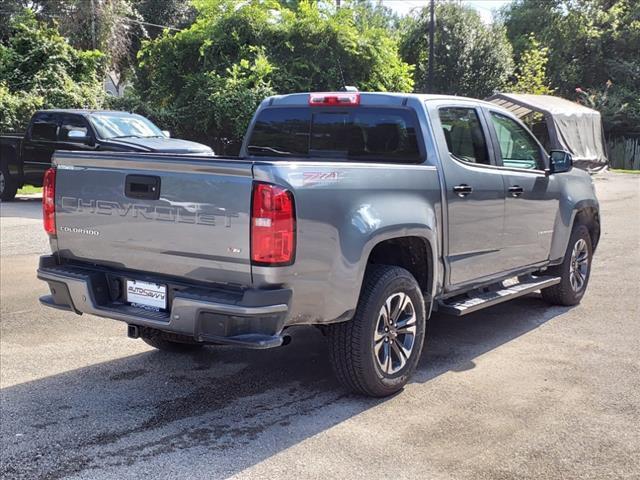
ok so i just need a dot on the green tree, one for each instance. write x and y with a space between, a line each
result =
43 10
531 71
591 43
110 26
209 78
177 14
471 58
115 27
39 69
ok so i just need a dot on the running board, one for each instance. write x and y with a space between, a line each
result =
477 300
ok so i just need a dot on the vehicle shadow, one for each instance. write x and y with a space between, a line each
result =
454 342
239 407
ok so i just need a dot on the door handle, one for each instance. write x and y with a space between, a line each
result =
462 190
144 187
516 190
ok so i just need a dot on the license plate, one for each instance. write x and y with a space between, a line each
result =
147 295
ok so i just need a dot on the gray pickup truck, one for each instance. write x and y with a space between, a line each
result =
359 213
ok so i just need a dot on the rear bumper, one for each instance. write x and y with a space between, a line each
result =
245 317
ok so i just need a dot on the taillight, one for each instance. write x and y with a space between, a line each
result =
334 99
273 225
49 201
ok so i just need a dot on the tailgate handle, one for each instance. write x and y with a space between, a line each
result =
145 187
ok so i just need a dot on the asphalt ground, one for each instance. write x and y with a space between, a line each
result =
521 390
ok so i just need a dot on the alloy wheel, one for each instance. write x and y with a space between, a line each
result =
395 333
579 266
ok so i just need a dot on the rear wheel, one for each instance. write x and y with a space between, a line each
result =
574 271
168 342
8 188
376 352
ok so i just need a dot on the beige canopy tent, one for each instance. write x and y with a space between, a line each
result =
565 125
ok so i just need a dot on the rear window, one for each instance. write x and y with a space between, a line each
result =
376 134
44 127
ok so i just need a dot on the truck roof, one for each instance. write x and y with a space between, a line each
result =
370 98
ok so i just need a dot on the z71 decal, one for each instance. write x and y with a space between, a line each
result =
319 177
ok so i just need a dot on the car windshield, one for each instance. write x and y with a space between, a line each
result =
123 125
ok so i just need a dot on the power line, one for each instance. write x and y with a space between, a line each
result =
432 32
128 20
153 24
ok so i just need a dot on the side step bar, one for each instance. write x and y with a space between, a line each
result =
507 290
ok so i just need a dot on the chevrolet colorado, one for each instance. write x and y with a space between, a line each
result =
360 213
25 158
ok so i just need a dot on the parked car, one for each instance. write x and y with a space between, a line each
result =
360 213
24 159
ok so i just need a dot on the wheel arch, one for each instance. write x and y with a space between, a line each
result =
585 212
589 216
413 251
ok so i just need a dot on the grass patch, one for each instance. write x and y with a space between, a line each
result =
622 170
29 190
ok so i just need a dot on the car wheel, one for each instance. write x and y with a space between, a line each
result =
574 271
8 188
376 351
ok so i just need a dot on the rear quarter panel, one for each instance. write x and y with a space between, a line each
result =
343 210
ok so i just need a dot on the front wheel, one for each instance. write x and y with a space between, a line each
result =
574 271
376 351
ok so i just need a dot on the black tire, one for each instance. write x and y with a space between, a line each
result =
351 343
564 293
170 343
8 187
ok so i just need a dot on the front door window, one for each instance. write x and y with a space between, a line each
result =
517 146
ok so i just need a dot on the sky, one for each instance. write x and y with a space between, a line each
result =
484 7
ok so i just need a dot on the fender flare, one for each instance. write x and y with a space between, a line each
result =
564 229
427 234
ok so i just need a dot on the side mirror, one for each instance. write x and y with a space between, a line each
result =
78 136
166 133
560 161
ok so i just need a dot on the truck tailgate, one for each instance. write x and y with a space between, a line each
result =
172 215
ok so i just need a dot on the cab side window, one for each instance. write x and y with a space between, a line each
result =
517 146
464 135
72 123
44 127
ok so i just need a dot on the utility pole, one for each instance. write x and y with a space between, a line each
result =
93 24
432 29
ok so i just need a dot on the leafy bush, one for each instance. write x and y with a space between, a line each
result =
620 108
206 81
39 69
531 74
17 108
591 44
